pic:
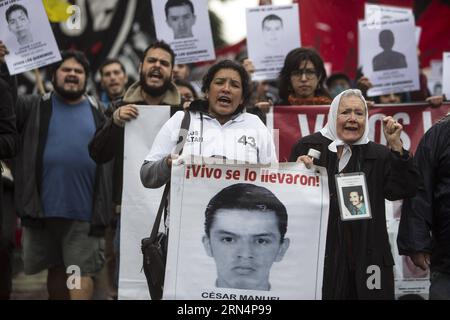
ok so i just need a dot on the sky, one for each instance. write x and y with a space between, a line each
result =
232 13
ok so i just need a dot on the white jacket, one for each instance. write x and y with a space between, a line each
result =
243 138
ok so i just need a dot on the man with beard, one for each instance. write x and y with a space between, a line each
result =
63 197
155 87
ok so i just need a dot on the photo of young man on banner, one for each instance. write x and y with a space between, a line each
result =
245 232
26 32
245 228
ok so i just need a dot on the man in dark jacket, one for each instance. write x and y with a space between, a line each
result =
63 197
113 79
424 230
155 87
8 148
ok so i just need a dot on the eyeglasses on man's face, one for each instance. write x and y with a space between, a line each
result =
309 73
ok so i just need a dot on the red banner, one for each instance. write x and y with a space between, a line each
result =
294 122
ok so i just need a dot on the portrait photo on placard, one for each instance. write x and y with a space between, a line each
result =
272 31
388 55
26 32
353 197
185 26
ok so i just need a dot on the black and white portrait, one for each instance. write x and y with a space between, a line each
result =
19 23
272 30
180 17
245 228
388 59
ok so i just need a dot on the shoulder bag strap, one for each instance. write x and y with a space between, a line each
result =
184 129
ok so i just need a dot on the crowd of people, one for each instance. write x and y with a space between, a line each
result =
64 154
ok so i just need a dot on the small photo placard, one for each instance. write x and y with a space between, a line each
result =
353 196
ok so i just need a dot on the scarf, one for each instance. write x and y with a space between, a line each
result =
329 131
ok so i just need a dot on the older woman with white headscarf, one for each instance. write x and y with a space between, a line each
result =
358 259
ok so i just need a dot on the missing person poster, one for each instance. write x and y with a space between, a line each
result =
387 57
353 196
435 77
246 232
185 26
139 205
272 31
26 32
446 74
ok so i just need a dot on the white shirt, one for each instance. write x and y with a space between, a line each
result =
243 138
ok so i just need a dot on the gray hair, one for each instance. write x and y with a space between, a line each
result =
354 93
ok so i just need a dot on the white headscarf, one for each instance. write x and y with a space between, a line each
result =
329 130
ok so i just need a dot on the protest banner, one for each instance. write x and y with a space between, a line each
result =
26 31
139 205
246 232
294 122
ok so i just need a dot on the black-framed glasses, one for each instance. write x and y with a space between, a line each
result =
309 73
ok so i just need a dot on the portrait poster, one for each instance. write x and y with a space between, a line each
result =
435 77
272 32
446 74
387 57
353 197
26 32
186 28
226 232
139 205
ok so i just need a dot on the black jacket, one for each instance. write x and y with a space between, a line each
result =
33 118
108 142
425 221
366 242
8 133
